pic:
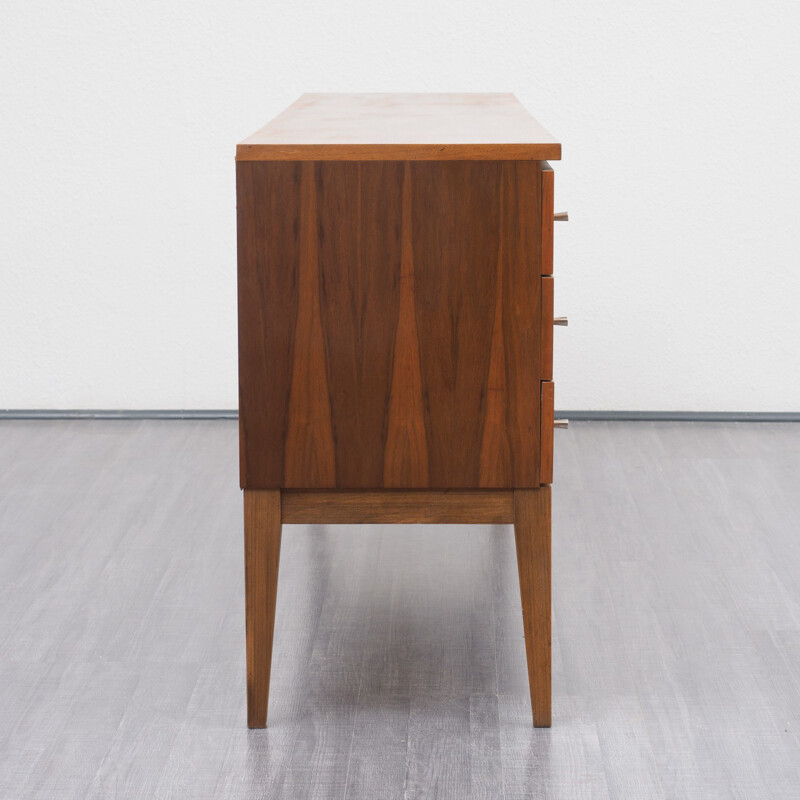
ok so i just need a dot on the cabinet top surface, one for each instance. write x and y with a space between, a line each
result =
355 127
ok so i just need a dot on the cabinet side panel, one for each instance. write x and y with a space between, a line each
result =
476 243
267 203
456 227
389 324
359 231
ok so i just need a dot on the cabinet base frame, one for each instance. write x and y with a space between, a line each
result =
266 510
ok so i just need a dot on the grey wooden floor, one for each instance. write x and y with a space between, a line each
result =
399 670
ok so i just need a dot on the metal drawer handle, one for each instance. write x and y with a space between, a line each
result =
561 321
561 216
561 423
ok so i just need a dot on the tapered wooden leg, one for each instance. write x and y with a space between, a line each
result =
262 545
532 533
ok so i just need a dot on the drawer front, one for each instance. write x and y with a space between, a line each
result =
389 324
547 319
548 429
548 217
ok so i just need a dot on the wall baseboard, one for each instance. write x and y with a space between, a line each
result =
99 413
576 416
681 416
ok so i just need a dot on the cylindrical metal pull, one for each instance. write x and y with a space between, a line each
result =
561 216
561 321
561 423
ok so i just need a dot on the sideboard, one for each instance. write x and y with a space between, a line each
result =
395 292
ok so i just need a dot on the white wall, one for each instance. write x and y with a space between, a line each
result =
681 173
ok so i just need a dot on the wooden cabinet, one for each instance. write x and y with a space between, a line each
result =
395 332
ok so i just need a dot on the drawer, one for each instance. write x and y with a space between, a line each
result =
548 217
548 426
547 320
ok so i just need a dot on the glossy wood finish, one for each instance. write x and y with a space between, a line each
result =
376 507
401 127
262 544
388 326
532 535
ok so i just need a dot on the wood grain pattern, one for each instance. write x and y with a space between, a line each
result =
384 127
495 445
547 315
384 507
456 250
262 544
359 272
521 291
309 455
406 454
388 324
548 209
459 279
548 430
532 535
268 211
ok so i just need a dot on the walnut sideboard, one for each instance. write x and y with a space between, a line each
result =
395 260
